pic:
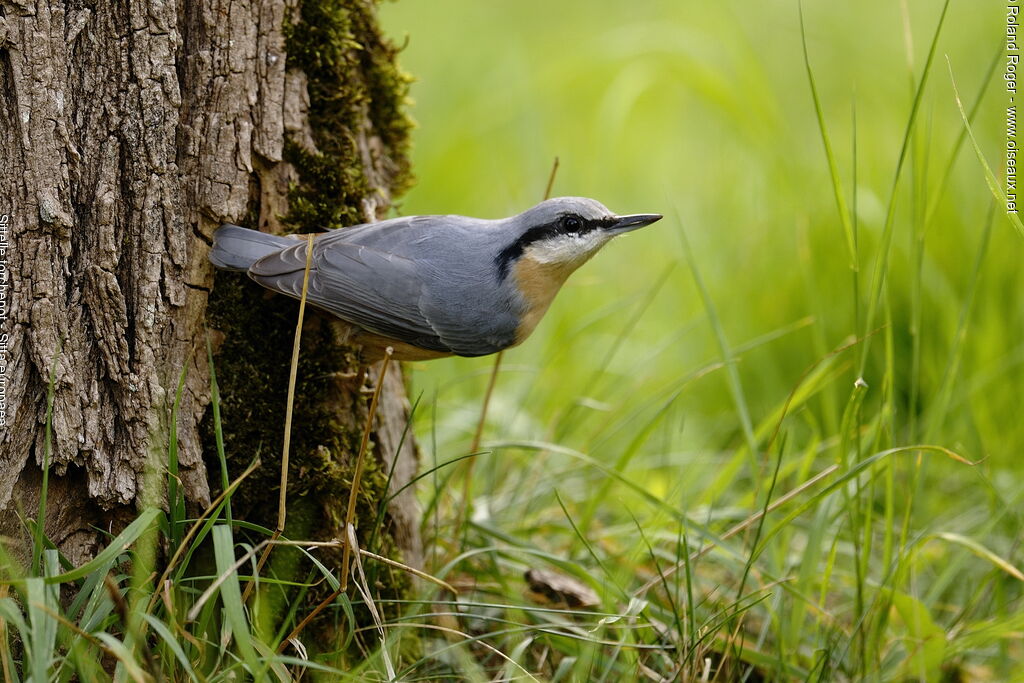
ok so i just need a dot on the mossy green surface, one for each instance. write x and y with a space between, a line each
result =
352 79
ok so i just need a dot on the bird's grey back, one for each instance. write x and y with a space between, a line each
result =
403 279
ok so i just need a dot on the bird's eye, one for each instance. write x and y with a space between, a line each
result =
572 223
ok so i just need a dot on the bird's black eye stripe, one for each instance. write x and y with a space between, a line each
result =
515 250
569 223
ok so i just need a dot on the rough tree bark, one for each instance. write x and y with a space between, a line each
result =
130 131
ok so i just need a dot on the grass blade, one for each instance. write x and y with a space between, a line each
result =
881 268
833 167
990 178
218 430
231 596
175 498
40 524
728 359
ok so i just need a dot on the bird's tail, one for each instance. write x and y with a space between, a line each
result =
237 248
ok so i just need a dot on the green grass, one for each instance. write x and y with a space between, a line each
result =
778 434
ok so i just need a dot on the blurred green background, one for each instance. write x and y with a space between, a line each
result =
703 111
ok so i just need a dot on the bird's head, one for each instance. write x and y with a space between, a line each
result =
547 243
564 232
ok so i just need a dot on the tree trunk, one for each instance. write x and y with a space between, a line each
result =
130 131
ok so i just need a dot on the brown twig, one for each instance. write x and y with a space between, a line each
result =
551 179
474 447
353 493
282 500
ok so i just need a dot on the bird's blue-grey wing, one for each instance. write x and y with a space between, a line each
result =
471 318
376 290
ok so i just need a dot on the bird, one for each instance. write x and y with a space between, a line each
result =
433 286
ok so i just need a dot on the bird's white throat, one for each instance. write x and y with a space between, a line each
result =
568 249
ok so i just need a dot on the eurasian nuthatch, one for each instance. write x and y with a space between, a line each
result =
433 286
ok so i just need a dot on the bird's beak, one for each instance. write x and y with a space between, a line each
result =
623 224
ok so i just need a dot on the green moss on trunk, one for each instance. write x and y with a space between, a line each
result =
353 77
